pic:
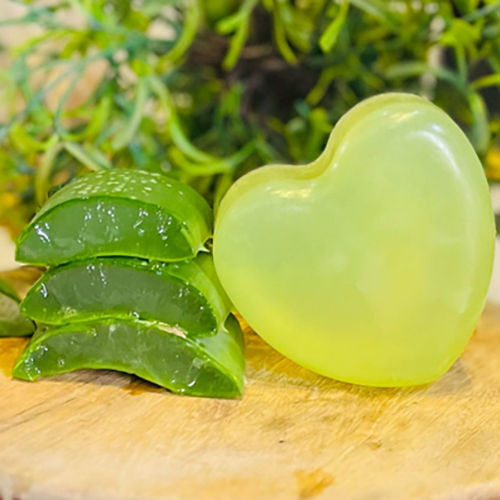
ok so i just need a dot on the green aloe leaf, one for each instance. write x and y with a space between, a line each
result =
186 296
118 212
12 322
210 367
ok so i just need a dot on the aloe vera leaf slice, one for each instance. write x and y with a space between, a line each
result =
117 212
12 322
200 273
6 289
182 295
211 368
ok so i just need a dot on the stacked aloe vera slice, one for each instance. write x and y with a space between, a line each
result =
12 322
127 288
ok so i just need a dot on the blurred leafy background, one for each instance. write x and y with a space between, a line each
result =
206 90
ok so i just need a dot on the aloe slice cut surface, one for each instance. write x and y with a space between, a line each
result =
12 322
211 367
185 295
117 212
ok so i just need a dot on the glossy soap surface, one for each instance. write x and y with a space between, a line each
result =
117 212
371 264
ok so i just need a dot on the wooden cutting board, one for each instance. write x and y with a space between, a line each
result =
293 435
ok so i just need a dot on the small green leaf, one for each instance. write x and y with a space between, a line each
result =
281 40
480 133
191 23
86 156
23 141
12 322
239 24
376 8
330 35
43 172
487 81
126 134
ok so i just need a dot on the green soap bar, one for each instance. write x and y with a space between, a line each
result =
371 264
12 322
117 212
185 295
211 367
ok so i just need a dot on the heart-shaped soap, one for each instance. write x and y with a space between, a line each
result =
371 264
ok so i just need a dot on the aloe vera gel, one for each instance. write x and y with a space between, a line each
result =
127 288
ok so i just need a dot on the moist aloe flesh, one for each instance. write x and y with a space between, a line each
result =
12 322
210 367
117 212
184 295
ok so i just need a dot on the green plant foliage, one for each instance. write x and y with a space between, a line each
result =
206 90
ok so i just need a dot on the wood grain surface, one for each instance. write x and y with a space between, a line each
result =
293 435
